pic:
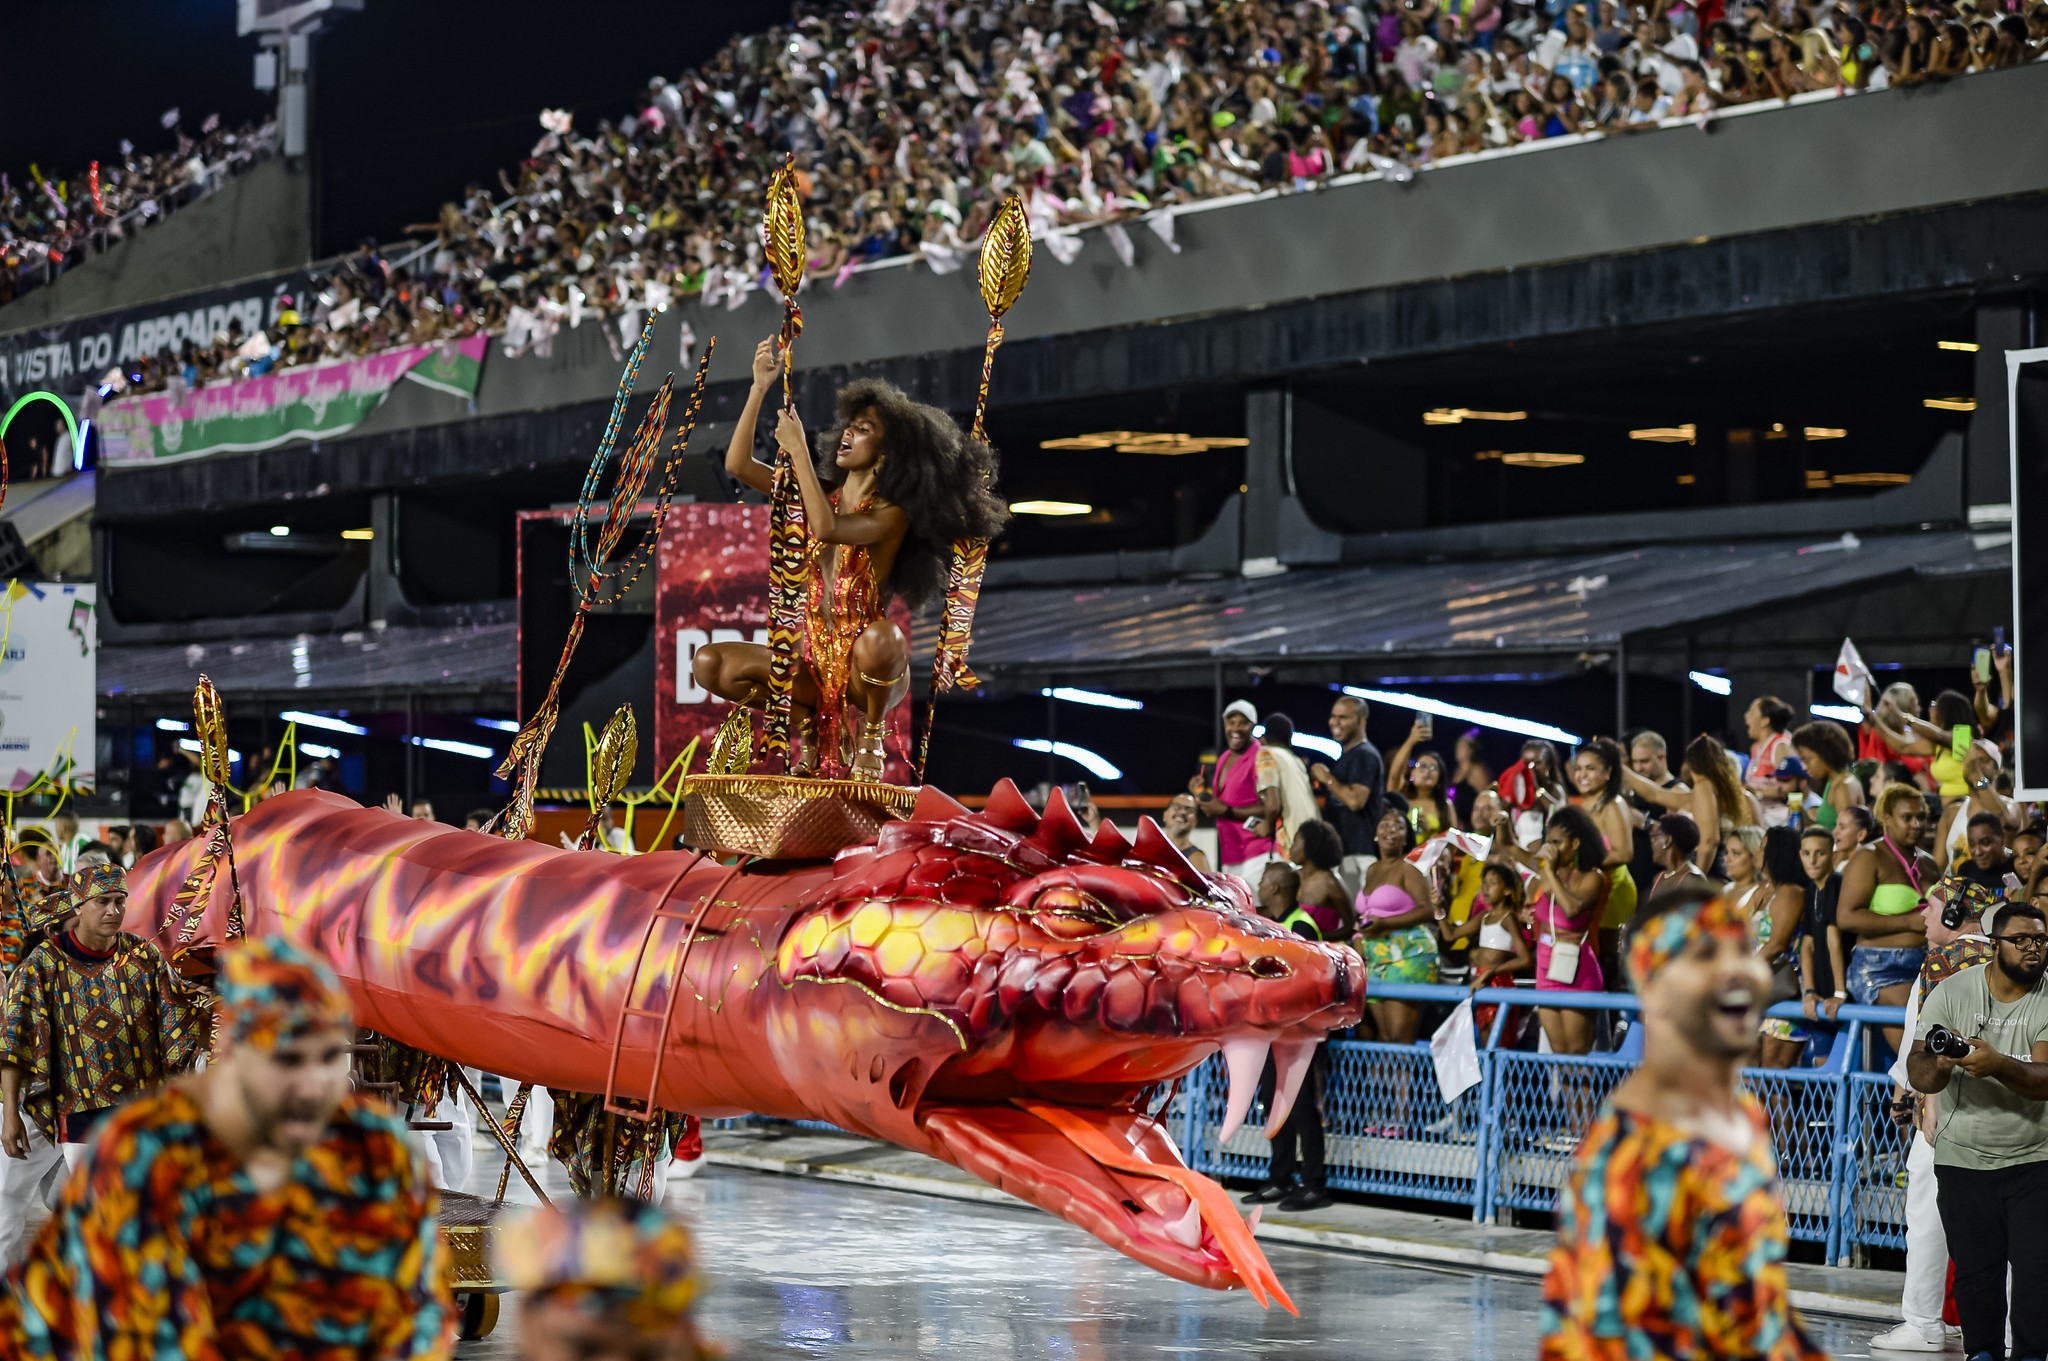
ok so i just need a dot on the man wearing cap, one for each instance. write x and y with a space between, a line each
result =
608 1279
1233 796
93 1017
257 1209
1671 1232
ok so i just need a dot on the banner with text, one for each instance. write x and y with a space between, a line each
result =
711 586
49 683
71 356
314 402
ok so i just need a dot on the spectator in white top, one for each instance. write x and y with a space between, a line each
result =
1281 771
1569 52
1650 104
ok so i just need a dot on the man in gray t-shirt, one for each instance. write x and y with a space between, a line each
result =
1991 1131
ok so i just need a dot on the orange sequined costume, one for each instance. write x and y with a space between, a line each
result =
835 613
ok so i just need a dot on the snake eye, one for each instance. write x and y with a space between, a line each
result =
1066 913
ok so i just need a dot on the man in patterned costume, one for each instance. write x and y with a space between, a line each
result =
258 1209
641 1151
611 1278
93 1017
29 887
1671 1234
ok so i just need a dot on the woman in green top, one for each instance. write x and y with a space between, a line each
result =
1883 885
1825 752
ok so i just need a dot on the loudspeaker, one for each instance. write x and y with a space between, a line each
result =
2027 394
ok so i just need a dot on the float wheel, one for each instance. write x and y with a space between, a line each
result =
476 1314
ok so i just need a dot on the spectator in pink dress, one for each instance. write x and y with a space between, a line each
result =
1232 796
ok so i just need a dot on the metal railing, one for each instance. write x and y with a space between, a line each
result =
1508 1143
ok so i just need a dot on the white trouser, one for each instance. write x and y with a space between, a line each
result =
449 1154
19 1180
1926 1244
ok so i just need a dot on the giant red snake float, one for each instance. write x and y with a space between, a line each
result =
993 989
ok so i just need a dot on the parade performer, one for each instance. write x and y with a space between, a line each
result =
258 1209
94 1017
425 1092
900 484
640 1149
602 1278
30 886
1671 1233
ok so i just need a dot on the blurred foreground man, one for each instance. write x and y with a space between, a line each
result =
601 1280
93 1017
1671 1232
258 1209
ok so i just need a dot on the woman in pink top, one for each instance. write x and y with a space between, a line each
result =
1233 795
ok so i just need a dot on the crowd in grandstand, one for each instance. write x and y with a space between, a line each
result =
47 225
910 123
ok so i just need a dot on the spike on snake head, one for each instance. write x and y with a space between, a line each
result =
1109 845
935 805
1008 810
1059 833
1154 847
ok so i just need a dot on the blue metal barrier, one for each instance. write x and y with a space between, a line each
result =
1508 1143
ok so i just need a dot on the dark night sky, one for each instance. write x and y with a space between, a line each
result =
413 98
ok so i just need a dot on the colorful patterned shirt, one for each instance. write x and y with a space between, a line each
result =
1670 1247
163 1248
22 897
1952 957
89 1031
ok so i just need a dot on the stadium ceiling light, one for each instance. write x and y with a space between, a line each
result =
1091 697
1322 746
1711 683
358 533
1537 460
280 531
172 725
188 744
318 752
500 724
1050 508
1841 713
1093 762
1455 415
1814 432
1421 704
1949 403
1872 479
1667 434
481 753
1965 346
1146 442
306 720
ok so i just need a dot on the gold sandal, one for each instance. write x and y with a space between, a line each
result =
868 756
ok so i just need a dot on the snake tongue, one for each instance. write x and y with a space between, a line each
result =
1115 1174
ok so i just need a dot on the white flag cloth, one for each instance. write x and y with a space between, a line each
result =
1455 1050
1120 242
1161 224
1852 677
1063 245
169 117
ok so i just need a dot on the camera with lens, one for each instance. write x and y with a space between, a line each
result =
1942 1040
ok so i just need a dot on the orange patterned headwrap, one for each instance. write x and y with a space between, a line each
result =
271 992
1656 942
98 881
616 1257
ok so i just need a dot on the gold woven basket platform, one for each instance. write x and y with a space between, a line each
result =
788 817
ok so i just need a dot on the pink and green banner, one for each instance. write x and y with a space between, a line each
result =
315 402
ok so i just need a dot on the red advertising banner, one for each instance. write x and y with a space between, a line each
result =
712 587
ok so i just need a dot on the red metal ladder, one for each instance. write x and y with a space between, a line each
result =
628 1013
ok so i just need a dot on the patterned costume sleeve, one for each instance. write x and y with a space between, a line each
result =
414 1319
181 1011
1581 1305
1745 1300
113 1274
25 1037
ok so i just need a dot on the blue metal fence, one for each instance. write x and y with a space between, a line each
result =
1508 1143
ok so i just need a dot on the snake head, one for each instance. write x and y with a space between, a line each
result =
1008 994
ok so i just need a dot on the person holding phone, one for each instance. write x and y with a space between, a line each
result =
1945 741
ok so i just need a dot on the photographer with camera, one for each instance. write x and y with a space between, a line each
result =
1982 1045
1956 922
